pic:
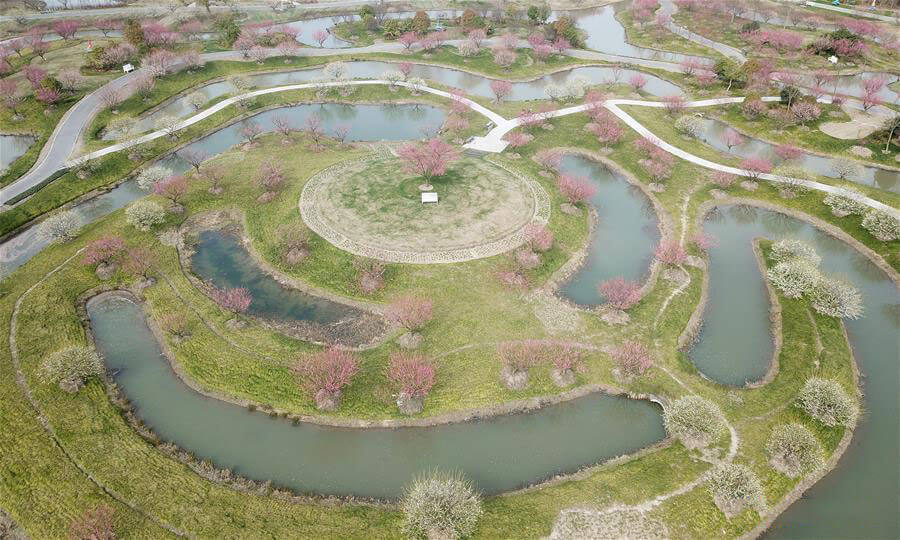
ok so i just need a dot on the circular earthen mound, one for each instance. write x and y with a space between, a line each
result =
372 207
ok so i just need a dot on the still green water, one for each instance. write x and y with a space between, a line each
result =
499 454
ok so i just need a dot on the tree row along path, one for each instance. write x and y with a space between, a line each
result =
854 12
64 139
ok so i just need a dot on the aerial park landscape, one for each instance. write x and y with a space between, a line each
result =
423 269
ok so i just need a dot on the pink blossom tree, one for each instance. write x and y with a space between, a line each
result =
722 178
138 262
788 152
517 139
34 75
172 188
409 312
620 293
408 40
674 104
477 36
10 96
325 374
575 189
405 68
320 36
501 89
235 300
755 166
871 87
538 237
429 159
703 241
103 251
518 357
370 274
48 96
271 177
637 81
160 61
671 252
549 159
632 357
412 375
607 132
66 28
250 130
314 129
732 138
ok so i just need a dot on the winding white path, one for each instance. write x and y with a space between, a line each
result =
495 139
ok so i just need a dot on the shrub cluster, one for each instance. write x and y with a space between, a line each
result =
828 402
69 367
440 505
144 215
882 225
734 488
841 205
689 125
696 421
793 450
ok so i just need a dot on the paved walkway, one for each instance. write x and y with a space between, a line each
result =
855 12
495 135
667 6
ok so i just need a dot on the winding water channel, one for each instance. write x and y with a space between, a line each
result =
475 85
735 346
622 240
499 454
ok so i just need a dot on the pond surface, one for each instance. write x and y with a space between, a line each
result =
368 123
474 85
622 242
498 454
734 347
221 259
12 147
714 135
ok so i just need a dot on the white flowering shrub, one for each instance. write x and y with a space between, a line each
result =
882 225
467 48
841 205
846 169
151 175
144 215
576 87
556 92
734 488
60 227
787 249
689 125
440 505
70 367
392 76
697 422
794 277
793 450
828 402
837 298
336 71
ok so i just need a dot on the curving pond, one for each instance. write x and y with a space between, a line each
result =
714 135
498 454
735 346
12 147
368 123
219 258
475 85
622 241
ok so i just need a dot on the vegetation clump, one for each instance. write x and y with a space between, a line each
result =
837 298
144 215
440 505
828 402
70 367
793 450
735 488
882 225
60 227
697 422
842 205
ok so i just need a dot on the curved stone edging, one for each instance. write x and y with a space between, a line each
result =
310 211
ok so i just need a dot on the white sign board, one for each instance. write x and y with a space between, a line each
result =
127 68
429 197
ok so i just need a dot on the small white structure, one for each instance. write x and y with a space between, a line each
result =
833 59
429 197
127 68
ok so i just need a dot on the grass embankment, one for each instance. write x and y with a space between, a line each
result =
809 137
719 27
654 37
